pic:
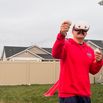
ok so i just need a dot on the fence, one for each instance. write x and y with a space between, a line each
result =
29 72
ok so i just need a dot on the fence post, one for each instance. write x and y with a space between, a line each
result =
94 80
28 73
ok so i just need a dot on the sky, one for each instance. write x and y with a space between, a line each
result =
37 22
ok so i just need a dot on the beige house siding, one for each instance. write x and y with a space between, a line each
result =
37 50
24 59
25 54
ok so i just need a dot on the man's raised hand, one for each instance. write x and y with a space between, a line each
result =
65 27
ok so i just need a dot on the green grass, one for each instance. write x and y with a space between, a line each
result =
97 93
34 94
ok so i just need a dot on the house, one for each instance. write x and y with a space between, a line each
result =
36 53
9 51
95 44
48 49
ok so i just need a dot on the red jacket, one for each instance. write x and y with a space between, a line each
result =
76 62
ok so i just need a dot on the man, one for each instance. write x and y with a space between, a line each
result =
77 60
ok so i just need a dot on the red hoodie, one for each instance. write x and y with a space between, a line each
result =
76 62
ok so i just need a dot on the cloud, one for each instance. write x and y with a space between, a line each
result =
24 22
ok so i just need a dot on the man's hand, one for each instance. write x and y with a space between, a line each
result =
98 55
65 27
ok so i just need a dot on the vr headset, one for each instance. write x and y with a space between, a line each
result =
81 27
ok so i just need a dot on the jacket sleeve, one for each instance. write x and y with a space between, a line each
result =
58 50
95 67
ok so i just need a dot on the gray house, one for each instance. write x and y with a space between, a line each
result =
35 53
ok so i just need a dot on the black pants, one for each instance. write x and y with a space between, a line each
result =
75 99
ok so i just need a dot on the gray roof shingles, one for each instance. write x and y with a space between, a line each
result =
46 56
96 42
12 50
48 49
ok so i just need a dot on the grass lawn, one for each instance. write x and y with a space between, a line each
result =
34 94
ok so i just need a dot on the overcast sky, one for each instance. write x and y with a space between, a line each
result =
36 22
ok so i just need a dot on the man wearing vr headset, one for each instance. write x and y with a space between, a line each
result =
77 60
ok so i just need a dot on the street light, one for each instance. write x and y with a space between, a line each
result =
100 3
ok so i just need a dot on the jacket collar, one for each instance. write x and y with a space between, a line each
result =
75 43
